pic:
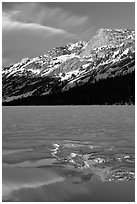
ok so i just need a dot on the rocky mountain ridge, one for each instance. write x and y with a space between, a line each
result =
109 54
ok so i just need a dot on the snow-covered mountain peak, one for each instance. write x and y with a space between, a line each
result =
76 46
108 38
109 53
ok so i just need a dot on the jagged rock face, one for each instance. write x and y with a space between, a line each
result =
107 37
110 53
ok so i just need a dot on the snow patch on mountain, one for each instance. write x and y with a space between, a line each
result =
70 65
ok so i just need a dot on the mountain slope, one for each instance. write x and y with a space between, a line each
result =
106 58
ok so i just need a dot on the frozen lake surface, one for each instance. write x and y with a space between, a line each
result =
77 153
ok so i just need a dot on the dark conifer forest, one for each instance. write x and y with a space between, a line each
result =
117 90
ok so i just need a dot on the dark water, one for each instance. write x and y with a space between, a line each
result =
76 153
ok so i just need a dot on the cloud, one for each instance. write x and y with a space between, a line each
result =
31 29
23 42
9 24
42 14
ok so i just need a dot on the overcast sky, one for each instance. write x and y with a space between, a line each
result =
31 29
